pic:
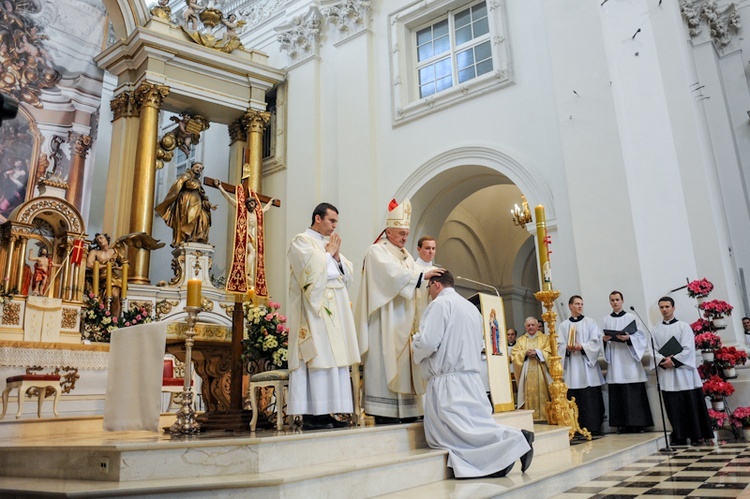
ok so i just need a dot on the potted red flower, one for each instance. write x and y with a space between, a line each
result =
700 288
715 311
728 358
717 389
741 417
701 326
707 343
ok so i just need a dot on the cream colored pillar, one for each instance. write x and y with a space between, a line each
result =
149 99
121 162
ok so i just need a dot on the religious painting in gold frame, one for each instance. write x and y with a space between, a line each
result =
496 349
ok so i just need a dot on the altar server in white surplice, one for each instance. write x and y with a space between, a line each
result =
626 378
385 318
681 385
426 248
579 344
457 414
322 337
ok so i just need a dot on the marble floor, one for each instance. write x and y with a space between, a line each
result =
712 472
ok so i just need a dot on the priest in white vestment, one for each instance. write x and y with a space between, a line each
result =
385 318
681 385
322 336
579 344
458 414
629 409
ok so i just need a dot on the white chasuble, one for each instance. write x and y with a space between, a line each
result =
385 316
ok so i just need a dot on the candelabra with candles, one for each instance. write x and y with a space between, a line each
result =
521 216
186 423
560 410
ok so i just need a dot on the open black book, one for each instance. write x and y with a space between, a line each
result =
672 347
629 329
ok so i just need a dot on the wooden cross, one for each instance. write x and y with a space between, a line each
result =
238 314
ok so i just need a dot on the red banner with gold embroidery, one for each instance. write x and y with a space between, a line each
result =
237 278
261 289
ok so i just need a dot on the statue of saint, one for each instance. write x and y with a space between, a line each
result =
186 208
42 268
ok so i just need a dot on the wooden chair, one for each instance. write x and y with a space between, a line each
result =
279 381
25 382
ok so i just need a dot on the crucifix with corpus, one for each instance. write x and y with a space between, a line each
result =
247 274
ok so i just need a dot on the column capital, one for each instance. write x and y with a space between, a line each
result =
150 95
81 143
256 121
123 105
237 130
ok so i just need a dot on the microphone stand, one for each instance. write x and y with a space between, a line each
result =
668 449
479 284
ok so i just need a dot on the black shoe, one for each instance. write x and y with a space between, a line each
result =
317 422
527 458
501 473
338 424
386 420
407 420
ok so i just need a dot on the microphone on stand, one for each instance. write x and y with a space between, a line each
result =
479 284
668 449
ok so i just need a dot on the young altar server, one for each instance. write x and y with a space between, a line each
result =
579 344
681 385
457 413
626 378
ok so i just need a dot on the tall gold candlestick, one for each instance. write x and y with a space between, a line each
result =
109 280
542 244
124 286
96 278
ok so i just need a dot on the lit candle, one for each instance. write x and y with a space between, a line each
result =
194 293
96 278
124 287
541 237
109 280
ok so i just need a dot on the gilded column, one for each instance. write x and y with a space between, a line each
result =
80 145
121 160
9 263
256 122
149 98
21 263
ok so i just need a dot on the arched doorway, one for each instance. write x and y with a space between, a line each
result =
463 198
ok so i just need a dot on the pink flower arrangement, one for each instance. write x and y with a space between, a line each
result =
729 357
266 335
699 288
715 387
715 308
741 416
701 326
707 341
718 418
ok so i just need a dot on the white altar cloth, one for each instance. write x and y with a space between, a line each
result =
136 360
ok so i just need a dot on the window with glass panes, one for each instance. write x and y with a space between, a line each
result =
454 49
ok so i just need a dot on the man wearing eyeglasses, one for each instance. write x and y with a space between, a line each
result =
457 413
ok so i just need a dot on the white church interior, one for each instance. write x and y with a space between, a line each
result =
628 121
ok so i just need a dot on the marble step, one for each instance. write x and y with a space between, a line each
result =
363 477
550 473
144 456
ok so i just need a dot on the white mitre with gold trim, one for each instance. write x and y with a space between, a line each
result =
399 215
